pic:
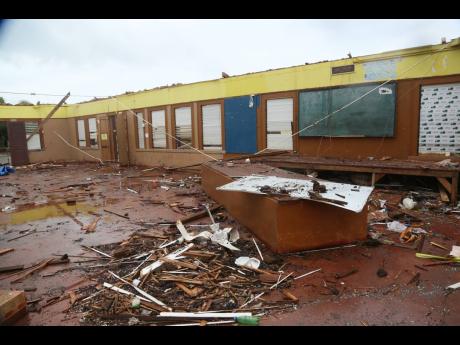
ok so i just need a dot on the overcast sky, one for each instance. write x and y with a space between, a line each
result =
108 57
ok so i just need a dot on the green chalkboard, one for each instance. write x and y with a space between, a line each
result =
371 116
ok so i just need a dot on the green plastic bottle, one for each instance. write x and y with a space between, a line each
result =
248 320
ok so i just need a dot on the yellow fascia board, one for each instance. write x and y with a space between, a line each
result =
318 75
31 111
419 62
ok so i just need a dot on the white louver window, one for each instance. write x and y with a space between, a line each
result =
159 129
34 143
140 130
92 132
279 123
183 127
440 119
81 133
212 132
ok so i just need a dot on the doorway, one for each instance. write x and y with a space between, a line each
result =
109 142
4 149
17 143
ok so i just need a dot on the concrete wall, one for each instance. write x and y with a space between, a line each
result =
54 148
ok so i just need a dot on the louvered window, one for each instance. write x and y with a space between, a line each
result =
33 143
212 132
183 127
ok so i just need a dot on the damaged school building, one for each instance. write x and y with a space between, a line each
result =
261 198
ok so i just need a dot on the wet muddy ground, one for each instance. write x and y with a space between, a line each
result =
49 206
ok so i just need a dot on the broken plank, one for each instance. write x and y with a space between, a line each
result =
115 213
11 268
208 315
158 263
6 250
142 292
191 292
290 296
179 263
182 280
26 234
98 251
443 194
446 184
42 265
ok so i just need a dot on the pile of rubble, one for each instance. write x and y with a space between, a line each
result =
153 278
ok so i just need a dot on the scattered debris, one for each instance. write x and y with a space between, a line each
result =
455 252
382 273
409 203
454 286
245 261
346 274
92 226
438 245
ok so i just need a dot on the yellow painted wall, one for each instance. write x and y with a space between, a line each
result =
429 61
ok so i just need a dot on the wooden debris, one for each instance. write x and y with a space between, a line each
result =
42 265
438 245
117 214
346 274
179 263
26 234
5 250
307 274
290 296
191 292
11 268
92 226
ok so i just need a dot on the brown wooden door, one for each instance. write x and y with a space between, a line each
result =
106 151
18 143
122 138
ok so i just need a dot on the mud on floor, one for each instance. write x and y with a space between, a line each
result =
65 209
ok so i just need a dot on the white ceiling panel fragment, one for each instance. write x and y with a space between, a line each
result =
347 196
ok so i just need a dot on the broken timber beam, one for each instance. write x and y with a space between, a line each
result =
443 181
51 113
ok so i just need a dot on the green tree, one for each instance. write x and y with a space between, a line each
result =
2 101
24 102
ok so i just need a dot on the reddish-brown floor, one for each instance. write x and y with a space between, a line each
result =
362 298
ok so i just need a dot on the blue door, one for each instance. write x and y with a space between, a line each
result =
241 124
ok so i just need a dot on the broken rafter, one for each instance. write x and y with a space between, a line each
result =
51 113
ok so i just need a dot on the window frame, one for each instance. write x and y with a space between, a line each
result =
136 129
150 129
88 140
200 123
40 133
85 125
173 121
262 118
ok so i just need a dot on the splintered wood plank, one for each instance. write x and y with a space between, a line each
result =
445 184
5 250
12 306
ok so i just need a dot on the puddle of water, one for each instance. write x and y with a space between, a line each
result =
44 212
